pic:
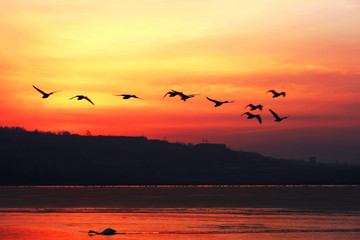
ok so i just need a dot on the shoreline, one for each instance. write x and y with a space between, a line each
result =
184 186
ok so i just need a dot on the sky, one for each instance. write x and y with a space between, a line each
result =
225 50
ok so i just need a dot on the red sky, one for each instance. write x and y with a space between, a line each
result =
226 50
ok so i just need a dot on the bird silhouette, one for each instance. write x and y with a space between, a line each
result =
253 107
173 93
184 97
127 96
276 94
45 95
80 97
277 118
218 103
107 231
250 116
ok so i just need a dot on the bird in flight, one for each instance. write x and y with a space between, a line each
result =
184 97
253 107
277 118
127 96
250 116
276 94
173 93
218 103
45 95
80 97
107 231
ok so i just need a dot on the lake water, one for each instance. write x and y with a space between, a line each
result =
205 212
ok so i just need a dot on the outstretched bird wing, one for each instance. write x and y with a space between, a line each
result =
272 91
55 92
177 92
212 100
39 90
174 93
273 113
74 97
258 118
89 100
250 105
247 113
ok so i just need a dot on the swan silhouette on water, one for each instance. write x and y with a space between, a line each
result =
173 93
127 96
184 97
253 107
277 118
107 231
218 103
80 97
45 95
276 94
250 116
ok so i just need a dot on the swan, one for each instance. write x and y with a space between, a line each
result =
45 95
250 115
218 103
107 231
276 94
277 118
127 96
80 97
253 107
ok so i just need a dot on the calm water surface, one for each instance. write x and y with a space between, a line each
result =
260 212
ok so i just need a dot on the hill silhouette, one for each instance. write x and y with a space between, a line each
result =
45 158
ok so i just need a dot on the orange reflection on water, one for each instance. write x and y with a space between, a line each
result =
180 224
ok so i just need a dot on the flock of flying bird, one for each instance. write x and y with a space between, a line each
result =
184 97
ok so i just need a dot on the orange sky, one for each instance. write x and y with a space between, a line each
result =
226 50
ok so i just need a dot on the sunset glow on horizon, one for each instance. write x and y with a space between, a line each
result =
225 50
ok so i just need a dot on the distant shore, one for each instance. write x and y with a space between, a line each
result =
37 158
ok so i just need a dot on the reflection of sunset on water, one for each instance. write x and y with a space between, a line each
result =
242 212
181 225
